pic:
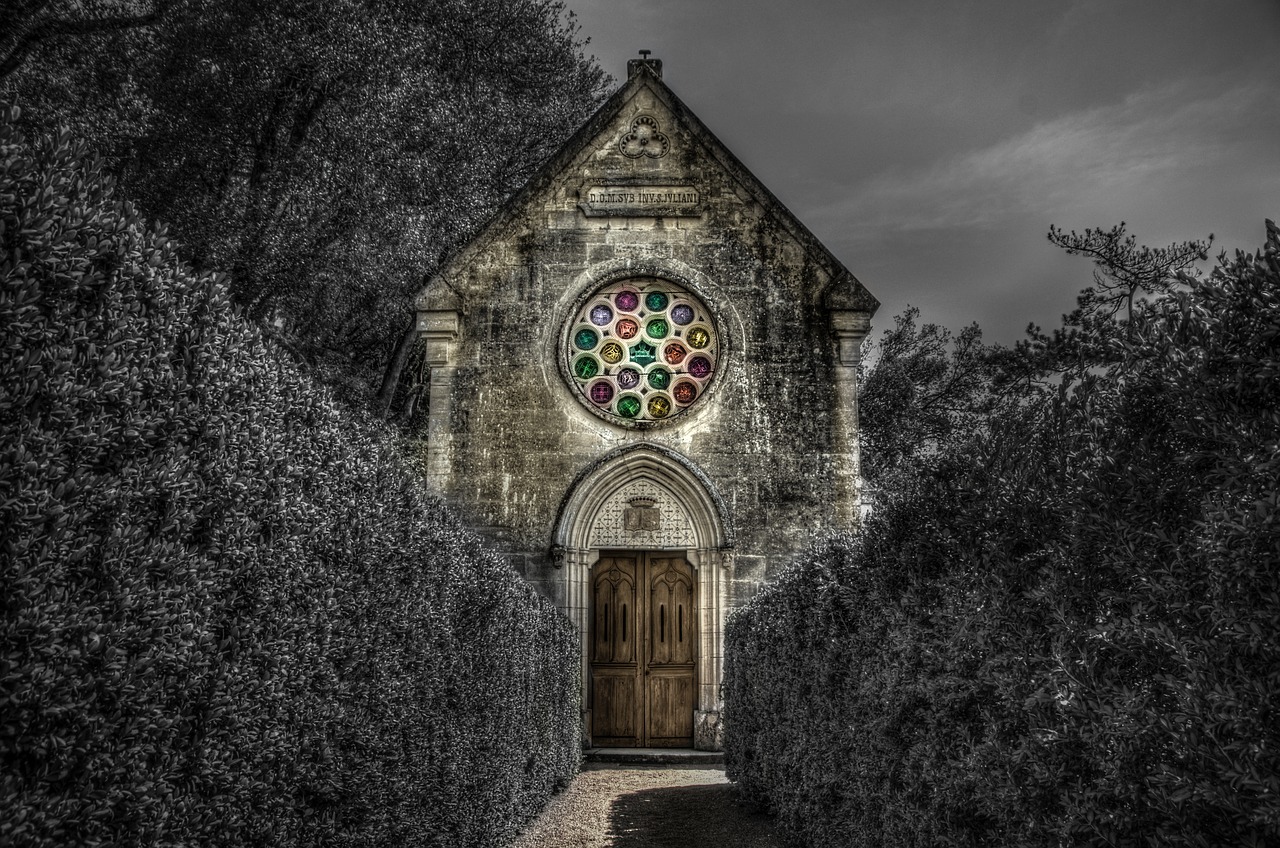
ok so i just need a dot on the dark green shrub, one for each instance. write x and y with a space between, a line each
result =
229 614
1064 629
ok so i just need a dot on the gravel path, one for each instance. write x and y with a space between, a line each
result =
649 807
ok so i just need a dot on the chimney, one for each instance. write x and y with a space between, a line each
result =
634 66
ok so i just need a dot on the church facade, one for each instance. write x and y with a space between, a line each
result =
643 379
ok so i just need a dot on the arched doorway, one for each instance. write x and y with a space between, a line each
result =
643 650
643 553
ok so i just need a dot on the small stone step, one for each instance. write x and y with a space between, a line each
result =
654 756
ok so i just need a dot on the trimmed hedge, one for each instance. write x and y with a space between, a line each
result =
229 614
1066 631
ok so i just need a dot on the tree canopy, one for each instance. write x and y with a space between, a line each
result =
326 153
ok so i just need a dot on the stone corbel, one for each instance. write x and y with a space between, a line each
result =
439 329
851 328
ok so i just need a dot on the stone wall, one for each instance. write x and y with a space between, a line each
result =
767 434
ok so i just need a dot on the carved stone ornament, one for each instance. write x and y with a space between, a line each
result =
641 514
645 138
631 518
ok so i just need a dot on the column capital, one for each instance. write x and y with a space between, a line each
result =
850 327
439 329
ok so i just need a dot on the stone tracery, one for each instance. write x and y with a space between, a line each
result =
642 350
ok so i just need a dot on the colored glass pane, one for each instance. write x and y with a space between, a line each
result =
641 350
601 315
611 353
628 406
682 313
655 301
585 339
659 407
601 392
642 354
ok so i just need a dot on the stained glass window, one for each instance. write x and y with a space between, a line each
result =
642 350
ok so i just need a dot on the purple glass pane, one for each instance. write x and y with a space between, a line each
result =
699 366
628 378
627 301
601 315
601 393
682 313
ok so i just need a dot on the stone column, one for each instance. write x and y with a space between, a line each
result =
708 734
439 329
577 607
850 328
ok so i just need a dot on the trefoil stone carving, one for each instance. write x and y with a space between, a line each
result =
645 138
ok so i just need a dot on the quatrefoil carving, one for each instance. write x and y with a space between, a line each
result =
645 138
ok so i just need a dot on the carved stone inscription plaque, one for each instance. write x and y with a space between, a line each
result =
651 201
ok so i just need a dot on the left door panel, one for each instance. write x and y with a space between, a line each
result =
615 696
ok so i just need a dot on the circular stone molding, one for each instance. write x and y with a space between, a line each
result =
641 352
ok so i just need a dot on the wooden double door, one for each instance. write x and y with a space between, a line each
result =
643 650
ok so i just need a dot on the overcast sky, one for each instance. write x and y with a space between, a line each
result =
930 145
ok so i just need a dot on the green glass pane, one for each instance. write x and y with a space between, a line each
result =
585 339
585 367
643 354
629 406
655 301
659 378
657 328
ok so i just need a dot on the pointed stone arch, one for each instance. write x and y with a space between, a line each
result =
599 513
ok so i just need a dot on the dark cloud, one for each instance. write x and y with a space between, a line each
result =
931 145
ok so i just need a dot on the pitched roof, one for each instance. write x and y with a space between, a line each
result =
846 291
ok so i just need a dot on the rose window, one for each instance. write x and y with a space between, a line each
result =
641 351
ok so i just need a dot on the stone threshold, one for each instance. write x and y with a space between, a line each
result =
653 756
